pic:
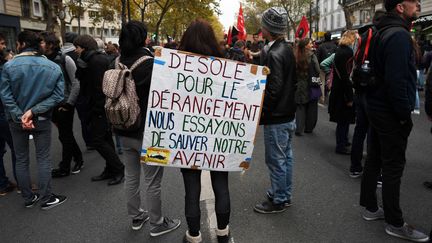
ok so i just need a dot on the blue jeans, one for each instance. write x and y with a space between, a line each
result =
5 138
42 139
279 159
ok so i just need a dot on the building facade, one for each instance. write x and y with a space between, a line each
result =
332 17
19 15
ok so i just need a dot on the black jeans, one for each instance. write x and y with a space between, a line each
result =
192 183
360 132
84 116
104 144
386 153
342 129
64 122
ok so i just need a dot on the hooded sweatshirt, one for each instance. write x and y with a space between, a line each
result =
395 69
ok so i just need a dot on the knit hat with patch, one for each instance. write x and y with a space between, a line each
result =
275 20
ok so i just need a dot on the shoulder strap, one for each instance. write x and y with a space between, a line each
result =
139 61
117 62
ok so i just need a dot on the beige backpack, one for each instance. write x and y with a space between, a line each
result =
121 102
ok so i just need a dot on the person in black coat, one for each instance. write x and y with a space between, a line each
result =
428 109
326 48
91 69
341 97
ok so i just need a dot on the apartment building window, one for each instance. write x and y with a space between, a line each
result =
75 29
92 14
91 31
25 8
325 24
98 31
83 30
331 22
338 20
325 6
37 8
332 5
106 32
2 6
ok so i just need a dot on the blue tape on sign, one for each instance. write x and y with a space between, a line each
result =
248 159
144 151
160 62
263 81
211 58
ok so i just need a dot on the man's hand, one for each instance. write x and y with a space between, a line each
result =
27 122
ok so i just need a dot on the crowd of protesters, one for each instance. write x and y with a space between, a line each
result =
302 77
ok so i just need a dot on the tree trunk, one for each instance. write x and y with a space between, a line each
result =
348 13
49 9
129 12
123 11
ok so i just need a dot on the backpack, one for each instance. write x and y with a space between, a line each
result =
363 75
121 102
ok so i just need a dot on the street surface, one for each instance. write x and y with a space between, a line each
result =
325 199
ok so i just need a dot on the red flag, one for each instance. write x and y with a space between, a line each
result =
241 25
229 38
303 28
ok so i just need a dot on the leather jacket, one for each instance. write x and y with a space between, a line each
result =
279 105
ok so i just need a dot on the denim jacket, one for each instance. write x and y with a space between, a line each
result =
30 82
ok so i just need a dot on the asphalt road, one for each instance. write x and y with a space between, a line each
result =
325 199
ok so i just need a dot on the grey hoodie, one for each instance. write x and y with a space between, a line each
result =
72 89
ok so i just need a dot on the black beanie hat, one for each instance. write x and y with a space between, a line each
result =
70 37
391 4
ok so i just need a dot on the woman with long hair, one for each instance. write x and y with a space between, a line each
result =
307 81
341 96
200 38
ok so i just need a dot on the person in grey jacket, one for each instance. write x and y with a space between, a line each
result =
28 107
63 114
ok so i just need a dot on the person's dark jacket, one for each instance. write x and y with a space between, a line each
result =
91 69
279 105
325 50
302 95
142 76
342 90
395 69
236 54
428 94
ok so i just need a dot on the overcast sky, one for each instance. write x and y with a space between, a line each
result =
229 8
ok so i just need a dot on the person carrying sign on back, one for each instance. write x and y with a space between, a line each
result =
389 106
200 38
132 41
278 111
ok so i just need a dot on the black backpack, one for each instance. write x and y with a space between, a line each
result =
362 74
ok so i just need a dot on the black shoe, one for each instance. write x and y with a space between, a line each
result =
77 168
269 207
287 203
306 131
224 238
101 177
33 202
116 180
138 223
10 187
58 173
299 134
343 152
428 184
54 201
